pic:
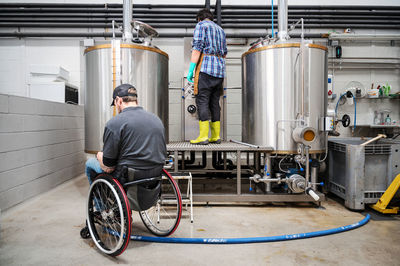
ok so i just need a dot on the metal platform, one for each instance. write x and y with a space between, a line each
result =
256 198
186 146
224 146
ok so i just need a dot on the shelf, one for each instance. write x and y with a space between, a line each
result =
377 126
380 98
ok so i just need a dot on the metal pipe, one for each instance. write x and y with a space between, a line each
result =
186 20
315 7
162 35
247 7
183 25
207 4
314 173
218 10
364 37
243 10
307 177
244 143
250 18
282 20
269 165
127 18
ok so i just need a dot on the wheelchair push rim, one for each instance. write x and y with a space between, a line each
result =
109 221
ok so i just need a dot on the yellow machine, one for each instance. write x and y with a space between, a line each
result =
383 202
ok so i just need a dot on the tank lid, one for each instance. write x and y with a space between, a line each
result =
126 45
255 49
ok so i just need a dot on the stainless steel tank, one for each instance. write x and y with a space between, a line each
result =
275 94
107 66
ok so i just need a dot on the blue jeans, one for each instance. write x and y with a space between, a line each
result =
92 165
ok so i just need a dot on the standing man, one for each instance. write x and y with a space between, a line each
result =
208 58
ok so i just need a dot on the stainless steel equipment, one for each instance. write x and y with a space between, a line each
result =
284 106
111 64
144 67
275 101
284 85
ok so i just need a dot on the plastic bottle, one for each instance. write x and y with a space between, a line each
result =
388 120
377 121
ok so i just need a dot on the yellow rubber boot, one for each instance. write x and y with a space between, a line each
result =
202 139
215 129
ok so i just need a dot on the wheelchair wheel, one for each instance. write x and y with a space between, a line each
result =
108 215
163 218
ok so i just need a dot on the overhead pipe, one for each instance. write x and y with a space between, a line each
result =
103 21
188 26
283 20
311 12
207 4
364 37
154 6
218 11
187 14
161 35
114 5
189 19
327 7
127 18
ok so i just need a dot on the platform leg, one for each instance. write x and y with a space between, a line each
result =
239 172
176 161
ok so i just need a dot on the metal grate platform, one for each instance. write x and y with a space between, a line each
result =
224 146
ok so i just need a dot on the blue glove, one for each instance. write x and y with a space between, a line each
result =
191 72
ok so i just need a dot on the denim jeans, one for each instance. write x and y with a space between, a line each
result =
94 165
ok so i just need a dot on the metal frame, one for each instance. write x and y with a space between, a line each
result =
189 191
177 147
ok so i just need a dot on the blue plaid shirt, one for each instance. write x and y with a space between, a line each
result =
209 38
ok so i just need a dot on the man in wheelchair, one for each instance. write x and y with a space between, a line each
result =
134 138
128 174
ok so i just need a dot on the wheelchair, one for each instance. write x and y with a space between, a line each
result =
109 218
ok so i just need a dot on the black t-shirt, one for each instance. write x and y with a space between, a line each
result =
134 138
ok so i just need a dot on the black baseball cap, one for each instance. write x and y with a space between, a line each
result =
122 91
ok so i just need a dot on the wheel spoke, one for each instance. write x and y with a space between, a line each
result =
108 226
163 220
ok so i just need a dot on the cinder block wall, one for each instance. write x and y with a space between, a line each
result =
41 146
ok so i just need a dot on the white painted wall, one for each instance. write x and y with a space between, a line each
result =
377 76
16 56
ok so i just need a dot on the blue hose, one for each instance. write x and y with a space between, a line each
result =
272 20
250 239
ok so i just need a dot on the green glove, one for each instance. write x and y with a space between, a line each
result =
191 72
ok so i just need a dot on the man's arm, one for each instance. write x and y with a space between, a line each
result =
109 157
198 45
195 56
105 168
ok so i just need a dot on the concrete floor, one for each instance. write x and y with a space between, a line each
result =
45 231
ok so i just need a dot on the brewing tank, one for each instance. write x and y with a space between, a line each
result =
111 64
284 87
